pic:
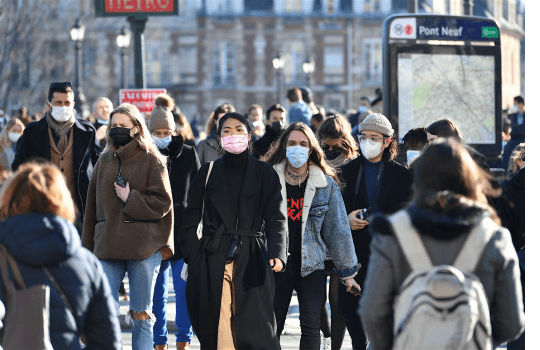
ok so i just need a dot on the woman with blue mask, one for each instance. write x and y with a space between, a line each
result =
317 221
182 165
376 182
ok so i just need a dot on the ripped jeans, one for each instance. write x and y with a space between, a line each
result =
142 276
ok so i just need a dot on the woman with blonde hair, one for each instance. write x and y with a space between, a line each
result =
128 221
8 141
36 229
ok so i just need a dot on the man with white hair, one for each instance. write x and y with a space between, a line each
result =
101 110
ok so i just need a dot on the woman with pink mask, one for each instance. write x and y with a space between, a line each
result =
230 284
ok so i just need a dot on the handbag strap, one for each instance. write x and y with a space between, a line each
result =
8 259
61 291
204 195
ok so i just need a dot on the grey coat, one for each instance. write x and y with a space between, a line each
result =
207 149
443 236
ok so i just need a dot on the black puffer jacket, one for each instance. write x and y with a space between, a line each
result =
183 164
443 234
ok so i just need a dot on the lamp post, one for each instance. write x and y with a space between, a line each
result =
77 35
308 67
123 39
278 62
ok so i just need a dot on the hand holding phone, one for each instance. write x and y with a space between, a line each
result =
120 181
354 289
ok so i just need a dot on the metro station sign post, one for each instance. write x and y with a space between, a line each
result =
137 12
437 67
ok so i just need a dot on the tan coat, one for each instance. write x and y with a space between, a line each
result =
141 226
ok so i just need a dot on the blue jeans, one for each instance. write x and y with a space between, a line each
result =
142 276
159 308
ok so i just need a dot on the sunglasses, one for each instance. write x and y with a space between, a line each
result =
60 85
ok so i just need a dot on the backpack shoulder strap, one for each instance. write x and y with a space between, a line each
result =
410 242
474 245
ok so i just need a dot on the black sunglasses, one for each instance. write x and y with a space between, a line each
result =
60 85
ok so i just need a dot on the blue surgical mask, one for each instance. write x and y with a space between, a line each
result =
297 155
162 143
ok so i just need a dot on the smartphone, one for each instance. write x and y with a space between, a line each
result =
120 181
354 289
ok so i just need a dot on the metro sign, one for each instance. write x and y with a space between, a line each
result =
403 28
136 7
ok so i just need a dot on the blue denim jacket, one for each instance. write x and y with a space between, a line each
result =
324 224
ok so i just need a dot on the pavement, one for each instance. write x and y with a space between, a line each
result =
290 339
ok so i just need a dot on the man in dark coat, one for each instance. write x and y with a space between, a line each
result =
395 192
74 147
253 279
275 125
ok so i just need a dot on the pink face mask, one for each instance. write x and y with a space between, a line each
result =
235 143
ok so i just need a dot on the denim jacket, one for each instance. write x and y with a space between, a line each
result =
324 224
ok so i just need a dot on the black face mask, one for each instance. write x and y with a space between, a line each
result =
121 136
277 127
332 154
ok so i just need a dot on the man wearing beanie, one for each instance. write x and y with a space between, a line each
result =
374 181
182 164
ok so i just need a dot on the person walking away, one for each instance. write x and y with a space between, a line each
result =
69 143
317 221
101 109
300 111
339 149
209 149
374 181
9 138
183 128
36 227
276 122
182 165
448 204
307 97
128 224
230 286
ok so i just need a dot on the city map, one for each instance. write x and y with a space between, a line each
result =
459 87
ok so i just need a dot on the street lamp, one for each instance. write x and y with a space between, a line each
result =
278 62
123 39
308 67
77 35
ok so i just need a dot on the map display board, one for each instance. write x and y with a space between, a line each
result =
437 86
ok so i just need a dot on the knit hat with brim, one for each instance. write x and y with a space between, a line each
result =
161 118
376 122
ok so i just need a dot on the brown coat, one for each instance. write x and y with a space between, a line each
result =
141 226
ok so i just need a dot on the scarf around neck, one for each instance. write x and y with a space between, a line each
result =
61 130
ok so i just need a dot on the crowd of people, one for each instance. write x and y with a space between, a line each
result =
269 203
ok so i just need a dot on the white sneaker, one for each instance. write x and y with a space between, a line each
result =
326 343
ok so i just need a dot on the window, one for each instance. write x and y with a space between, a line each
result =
294 56
372 56
333 59
331 7
224 64
293 6
372 5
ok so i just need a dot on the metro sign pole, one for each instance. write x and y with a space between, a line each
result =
137 12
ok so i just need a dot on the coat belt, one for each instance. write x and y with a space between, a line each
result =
218 234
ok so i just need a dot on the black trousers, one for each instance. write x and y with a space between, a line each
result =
309 290
356 331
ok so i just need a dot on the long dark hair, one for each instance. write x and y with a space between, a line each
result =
337 128
278 151
213 118
446 166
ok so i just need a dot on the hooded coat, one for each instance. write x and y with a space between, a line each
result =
260 215
395 192
36 240
443 235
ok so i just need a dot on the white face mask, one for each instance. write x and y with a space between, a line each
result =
411 155
370 149
61 114
14 136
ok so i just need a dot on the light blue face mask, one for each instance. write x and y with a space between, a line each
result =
162 143
297 155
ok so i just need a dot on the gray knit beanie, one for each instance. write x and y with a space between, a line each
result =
161 118
377 122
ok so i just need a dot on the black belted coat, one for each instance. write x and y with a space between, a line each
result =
261 228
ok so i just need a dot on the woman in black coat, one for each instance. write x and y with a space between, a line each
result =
361 192
242 202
